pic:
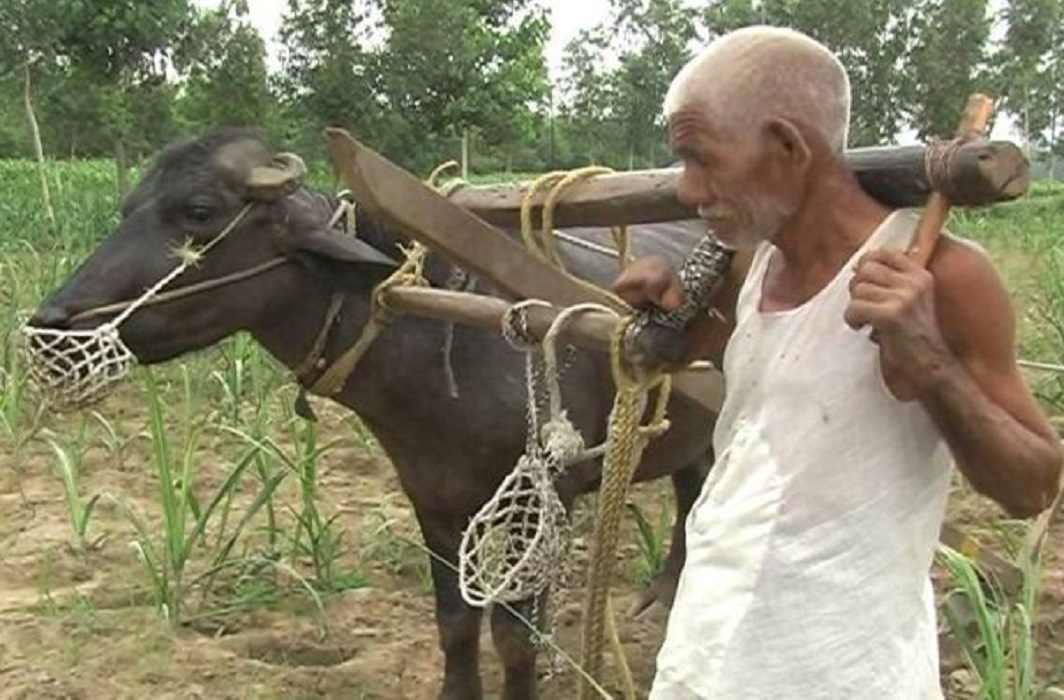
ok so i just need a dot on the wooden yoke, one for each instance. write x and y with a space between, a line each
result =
406 204
976 173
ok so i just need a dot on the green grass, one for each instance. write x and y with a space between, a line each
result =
68 465
652 539
165 551
996 631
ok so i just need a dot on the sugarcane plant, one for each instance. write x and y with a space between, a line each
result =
995 629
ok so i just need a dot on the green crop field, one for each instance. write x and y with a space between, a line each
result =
192 537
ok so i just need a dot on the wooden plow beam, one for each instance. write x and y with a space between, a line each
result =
409 206
974 173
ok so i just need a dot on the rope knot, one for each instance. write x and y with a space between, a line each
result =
939 159
562 440
515 328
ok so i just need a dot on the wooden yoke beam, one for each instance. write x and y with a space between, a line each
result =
975 173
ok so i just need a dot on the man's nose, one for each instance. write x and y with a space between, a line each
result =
692 192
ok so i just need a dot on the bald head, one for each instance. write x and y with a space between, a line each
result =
767 72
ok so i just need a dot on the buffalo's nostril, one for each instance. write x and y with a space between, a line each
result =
51 317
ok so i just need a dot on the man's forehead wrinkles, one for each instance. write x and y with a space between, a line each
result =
687 127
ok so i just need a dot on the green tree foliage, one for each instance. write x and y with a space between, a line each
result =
947 62
413 75
585 102
329 74
661 33
1031 67
126 48
32 31
456 65
119 51
448 67
227 84
613 110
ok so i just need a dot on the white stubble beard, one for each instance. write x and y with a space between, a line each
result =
766 217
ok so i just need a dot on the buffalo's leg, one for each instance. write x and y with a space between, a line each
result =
513 643
458 623
687 485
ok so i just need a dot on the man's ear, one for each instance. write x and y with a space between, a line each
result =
787 146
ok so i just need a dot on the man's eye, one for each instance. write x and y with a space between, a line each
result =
199 214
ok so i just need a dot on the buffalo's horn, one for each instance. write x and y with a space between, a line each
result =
271 182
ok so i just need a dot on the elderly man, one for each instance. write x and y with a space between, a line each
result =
809 549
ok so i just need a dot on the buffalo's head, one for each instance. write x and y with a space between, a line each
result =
227 183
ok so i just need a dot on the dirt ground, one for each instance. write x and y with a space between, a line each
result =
81 625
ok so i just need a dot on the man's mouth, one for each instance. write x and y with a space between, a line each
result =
714 217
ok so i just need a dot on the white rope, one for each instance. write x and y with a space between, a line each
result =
516 547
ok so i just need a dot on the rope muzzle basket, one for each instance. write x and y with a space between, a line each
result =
74 369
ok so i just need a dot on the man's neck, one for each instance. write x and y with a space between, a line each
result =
836 218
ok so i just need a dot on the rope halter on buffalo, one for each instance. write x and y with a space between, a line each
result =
73 369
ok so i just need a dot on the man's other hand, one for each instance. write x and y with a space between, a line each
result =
650 281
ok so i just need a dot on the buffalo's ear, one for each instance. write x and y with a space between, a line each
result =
342 248
348 262
302 220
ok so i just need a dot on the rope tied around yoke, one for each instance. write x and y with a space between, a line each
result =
939 159
543 243
410 274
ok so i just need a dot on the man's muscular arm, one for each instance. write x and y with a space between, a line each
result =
947 338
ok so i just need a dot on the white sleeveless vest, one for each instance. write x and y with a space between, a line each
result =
809 549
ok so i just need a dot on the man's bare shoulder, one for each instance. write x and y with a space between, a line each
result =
971 299
958 263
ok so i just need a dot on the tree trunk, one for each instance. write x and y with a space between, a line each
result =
38 150
122 168
465 154
1053 132
1027 121
550 127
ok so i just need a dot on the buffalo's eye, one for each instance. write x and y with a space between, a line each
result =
199 213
